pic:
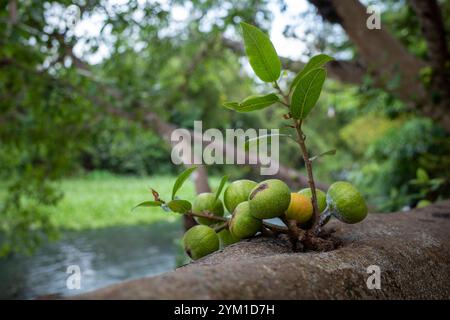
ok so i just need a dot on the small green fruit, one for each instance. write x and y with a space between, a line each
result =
226 238
206 202
320 195
300 208
269 199
237 192
346 203
243 224
423 203
321 203
200 241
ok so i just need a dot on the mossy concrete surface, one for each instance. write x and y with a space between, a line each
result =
412 250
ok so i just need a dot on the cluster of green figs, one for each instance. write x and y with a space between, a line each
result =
250 203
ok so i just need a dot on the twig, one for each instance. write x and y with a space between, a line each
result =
293 231
221 227
206 214
308 164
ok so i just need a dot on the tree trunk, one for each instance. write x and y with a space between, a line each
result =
384 56
411 249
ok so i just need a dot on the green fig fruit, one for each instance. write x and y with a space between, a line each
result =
320 195
237 192
346 203
269 199
321 204
200 241
243 224
300 208
226 238
206 202
423 203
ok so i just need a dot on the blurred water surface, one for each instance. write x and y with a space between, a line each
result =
105 256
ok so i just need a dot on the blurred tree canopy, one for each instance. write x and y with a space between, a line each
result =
76 99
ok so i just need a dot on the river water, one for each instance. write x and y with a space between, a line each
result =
104 256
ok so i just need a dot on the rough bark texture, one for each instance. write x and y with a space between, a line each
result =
383 56
411 248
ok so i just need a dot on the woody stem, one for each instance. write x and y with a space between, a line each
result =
205 214
221 227
309 170
308 162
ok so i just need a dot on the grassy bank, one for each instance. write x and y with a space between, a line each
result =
102 200
98 201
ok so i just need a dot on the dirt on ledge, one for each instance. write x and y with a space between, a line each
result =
411 248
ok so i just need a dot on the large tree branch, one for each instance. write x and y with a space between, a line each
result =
433 29
164 129
142 114
152 120
384 56
411 250
12 12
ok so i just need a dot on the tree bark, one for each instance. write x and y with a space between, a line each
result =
433 29
12 12
384 56
432 24
411 249
382 53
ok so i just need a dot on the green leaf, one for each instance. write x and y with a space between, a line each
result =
314 63
181 179
180 206
326 153
253 103
231 105
307 92
221 185
261 53
148 204
247 143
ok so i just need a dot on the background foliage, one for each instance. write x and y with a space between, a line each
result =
64 114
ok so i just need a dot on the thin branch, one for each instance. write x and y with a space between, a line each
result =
309 170
293 231
221 227
308 162
206 214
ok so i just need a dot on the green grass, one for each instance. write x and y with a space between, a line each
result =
99 201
